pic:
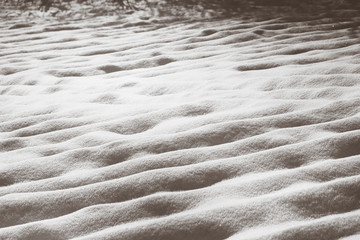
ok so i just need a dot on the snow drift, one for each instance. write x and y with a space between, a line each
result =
168 129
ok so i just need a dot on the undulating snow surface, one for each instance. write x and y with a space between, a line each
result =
167 129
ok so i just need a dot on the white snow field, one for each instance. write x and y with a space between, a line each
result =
165 129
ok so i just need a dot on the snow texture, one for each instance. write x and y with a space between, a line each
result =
160 128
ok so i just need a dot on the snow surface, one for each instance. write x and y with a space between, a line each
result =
125 128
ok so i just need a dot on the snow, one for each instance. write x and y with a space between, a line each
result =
122 127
